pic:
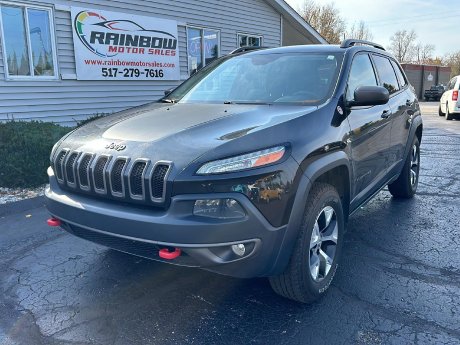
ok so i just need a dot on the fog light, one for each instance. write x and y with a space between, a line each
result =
239 249
218 208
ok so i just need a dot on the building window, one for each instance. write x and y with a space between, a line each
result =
245 40
28 42
203 46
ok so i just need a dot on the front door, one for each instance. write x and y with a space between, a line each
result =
369 137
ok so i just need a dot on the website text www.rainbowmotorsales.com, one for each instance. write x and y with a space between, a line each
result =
114 72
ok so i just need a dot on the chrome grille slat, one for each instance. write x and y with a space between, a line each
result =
99 180
116 173
70 163
83 171
158 181
59 165
136 179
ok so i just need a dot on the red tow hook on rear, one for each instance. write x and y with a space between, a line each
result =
53 222
167 255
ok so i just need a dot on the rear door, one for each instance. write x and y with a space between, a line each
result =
402 104
369 137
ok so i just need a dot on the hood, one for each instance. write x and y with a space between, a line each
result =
178 132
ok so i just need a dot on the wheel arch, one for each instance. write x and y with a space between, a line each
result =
334 169
415 130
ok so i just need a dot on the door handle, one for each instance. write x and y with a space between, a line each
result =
386 114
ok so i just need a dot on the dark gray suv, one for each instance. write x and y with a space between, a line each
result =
250 168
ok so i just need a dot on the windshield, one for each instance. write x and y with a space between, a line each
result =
306 78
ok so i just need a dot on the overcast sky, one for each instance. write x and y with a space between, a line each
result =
435 22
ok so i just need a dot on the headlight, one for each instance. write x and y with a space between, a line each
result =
246 161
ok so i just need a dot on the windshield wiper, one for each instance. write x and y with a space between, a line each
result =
248 102
168 100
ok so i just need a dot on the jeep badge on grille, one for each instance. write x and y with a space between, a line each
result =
113 146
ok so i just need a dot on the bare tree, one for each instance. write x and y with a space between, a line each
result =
453 60
360 31
423 53
324 18
402 45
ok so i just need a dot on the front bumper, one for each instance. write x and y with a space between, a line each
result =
204 242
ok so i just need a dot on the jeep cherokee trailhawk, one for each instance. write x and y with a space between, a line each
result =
249 168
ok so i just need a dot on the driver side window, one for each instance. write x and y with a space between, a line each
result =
361 74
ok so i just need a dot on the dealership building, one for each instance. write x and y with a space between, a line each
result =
64 61
422 77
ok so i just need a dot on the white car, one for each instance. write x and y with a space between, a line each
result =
449 105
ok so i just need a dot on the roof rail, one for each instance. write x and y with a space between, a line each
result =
245 49
350 42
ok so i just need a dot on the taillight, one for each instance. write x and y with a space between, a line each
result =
455 95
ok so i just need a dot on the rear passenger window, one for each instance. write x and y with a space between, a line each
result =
399 74
386 73
361 74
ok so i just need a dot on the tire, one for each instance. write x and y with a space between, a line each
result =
298 281
406 184
449 116
440 113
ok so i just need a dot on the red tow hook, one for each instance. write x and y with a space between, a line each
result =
166 254
53 222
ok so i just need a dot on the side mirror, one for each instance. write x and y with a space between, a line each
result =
370 95
168 91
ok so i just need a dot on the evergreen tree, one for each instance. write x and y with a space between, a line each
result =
24 68
40 65
13 68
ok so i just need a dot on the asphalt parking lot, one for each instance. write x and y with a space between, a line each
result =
399 281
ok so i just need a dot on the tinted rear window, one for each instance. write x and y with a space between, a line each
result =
399 74
386 73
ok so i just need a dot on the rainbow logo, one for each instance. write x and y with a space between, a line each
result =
85 18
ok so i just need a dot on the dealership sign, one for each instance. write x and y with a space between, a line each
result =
111 45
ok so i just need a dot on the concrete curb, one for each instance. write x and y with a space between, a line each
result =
21 206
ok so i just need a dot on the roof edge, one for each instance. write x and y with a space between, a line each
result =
285 9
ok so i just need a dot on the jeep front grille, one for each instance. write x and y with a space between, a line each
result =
113 177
